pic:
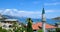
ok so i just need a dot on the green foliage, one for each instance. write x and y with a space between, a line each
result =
2 30
57 29
39 30
17 28
15 24
29 26
51 30
9 30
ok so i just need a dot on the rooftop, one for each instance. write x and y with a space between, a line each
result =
10 20
39 24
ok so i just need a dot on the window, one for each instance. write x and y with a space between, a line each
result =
10 26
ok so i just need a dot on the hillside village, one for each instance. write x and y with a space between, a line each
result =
13 24
9 23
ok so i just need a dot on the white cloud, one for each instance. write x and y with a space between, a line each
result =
20 13
1 11
52 11
56 3
49 11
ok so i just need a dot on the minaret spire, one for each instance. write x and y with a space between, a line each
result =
43 15
43 12
43 20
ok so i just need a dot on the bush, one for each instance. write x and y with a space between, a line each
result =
57 29
40 30
2 30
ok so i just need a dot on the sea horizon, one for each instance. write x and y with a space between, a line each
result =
48 21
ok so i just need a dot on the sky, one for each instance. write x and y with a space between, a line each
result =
30 8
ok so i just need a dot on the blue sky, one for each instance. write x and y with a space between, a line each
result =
30 8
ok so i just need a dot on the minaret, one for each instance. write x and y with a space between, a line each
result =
43 20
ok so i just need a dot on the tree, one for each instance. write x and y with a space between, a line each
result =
18 28
15 26
57 29
2 30
39 30
29 25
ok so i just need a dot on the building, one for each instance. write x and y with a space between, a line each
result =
57 24
43 25
6 23
38 25
43 20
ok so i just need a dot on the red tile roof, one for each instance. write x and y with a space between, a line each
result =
39 24
35 27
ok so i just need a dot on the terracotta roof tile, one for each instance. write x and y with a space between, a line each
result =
35 27
39 24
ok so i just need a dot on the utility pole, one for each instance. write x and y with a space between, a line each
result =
43 21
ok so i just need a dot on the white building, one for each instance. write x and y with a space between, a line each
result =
57 24
6 23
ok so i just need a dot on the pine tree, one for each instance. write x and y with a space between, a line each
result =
29 25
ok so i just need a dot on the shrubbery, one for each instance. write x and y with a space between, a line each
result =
2 30
57 29
40 30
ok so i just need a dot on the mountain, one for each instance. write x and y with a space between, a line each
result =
56 18
20 19
7 16
13 17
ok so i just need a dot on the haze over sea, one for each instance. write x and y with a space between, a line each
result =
48 21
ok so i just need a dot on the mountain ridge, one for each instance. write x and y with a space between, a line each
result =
56 18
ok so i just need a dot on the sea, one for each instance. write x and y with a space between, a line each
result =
48 21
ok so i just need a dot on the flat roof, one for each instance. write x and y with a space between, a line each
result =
10 20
